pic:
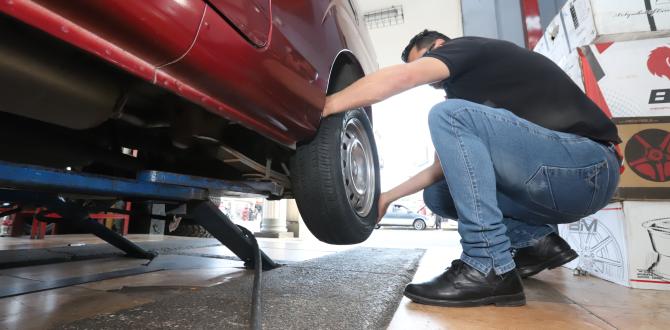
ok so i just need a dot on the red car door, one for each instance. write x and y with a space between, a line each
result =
250 17
156 31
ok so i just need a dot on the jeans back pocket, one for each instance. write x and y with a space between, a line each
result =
568 190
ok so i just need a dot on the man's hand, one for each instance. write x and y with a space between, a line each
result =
384 203
415 184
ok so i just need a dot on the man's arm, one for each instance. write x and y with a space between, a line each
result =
414 184
385 83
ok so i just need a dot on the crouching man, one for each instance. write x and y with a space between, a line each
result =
519 149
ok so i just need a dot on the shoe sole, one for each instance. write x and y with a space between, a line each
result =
513 300
557 261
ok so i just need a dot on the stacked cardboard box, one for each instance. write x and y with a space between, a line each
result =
627 243
618 52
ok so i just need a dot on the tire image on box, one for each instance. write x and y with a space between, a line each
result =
598 250
659 234
648 155
335 179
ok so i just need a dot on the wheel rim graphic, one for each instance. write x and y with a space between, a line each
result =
659 233
599 252
648 155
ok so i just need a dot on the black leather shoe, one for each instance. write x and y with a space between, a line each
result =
464 286
549 252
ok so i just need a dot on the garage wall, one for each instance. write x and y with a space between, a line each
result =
549 9
502 19
497 19
443 16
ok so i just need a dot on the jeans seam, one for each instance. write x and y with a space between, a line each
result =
551 190
576 139
596 188
505 268
597 168
476 264
532 241
610 149
473 183
607 168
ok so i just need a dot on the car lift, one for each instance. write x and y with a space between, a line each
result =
49 188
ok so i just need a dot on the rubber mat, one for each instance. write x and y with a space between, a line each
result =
355 289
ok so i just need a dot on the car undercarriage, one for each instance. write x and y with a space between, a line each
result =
68 109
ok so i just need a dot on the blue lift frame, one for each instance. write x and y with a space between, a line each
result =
48 187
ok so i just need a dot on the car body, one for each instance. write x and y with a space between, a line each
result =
400 215
220 89
263 65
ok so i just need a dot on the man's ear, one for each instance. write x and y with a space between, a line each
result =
439 43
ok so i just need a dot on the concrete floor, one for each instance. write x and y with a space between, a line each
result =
556 299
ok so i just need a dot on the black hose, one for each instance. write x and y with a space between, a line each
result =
256 307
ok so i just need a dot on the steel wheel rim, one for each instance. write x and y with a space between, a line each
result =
418 225
358 167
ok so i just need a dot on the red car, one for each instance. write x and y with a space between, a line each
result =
214 88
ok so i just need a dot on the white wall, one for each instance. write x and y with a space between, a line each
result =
401 124
440 15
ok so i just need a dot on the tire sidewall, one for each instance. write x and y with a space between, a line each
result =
325 208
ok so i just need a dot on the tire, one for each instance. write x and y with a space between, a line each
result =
191 230
337 200
419 224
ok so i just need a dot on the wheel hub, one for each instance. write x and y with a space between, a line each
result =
358 167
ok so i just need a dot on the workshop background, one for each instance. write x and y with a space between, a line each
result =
616 51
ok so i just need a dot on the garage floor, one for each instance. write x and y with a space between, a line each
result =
556 299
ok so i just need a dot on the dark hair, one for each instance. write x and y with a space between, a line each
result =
422 40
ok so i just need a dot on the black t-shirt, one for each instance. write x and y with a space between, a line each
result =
500 74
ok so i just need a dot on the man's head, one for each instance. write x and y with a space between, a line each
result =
421 43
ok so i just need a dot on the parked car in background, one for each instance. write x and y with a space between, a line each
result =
218 89
400 215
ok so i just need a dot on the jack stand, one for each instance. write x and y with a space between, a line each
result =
208 215
77 216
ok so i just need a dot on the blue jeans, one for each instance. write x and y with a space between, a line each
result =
509 181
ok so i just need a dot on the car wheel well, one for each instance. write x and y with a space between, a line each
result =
345 71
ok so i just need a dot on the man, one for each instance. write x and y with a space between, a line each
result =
519 149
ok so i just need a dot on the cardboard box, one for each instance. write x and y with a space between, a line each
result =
646 151
572 66
648 234
627 243
598 21
626 79
556 40
633 77
541 47
600 241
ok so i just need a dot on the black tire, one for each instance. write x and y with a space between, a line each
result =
191 230
419 224
319 183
